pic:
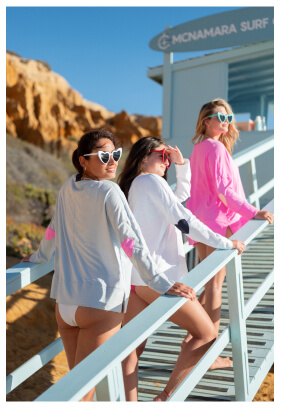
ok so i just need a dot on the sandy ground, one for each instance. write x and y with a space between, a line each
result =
31 326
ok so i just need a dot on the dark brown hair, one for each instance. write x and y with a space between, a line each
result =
88 142
133 164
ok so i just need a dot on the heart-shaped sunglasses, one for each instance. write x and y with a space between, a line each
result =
222 118
105 156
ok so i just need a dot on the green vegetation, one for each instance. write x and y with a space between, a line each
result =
17 191
54 176
22 239
47 197
20 193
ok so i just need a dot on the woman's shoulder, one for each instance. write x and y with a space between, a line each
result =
208 145
148 185
110 186
216 147
147 180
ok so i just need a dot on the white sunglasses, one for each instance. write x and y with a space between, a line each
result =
105 156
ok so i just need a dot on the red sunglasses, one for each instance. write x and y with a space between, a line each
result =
165 156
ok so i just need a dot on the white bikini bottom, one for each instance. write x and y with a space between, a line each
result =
67 313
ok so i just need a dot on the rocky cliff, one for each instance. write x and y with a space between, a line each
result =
43 109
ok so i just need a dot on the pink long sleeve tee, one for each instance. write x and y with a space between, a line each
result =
213 173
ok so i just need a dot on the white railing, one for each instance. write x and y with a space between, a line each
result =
248 156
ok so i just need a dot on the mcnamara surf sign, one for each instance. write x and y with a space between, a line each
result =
231 28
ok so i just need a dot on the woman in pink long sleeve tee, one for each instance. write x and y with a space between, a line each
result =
217 195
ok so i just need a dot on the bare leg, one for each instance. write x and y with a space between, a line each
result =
192 317
211 298
69 336
95 326
130 363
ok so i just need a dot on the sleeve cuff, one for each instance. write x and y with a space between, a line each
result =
33 258
183 170
248 211
161 284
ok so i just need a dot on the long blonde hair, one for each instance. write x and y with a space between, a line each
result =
229 138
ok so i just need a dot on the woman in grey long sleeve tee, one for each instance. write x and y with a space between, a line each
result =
94 236
94 245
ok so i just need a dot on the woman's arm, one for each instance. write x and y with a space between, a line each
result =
165 205
183 174
134 245
222 181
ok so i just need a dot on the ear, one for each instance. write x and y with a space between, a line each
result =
206 122
82 161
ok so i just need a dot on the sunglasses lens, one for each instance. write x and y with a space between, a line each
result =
222 117
116 155
230 118
104 157
166 159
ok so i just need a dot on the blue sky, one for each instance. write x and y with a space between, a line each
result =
102 52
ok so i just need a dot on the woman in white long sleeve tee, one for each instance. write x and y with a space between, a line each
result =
94 235
162 219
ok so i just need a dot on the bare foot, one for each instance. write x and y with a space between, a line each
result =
221 362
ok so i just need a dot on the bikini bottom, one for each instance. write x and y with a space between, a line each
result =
67 313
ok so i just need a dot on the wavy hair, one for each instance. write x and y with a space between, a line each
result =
228 138
133 165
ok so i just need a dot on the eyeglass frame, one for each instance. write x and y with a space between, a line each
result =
225 117
165 154
110 155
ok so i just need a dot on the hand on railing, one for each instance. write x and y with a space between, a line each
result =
26 258
239 245
180 289
264 215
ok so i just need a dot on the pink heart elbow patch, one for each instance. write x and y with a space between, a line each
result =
49 234
128 246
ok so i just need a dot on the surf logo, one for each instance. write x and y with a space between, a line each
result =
164 42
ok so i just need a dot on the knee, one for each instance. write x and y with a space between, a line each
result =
207 335
210 335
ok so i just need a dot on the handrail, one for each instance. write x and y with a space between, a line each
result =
248 156
87 374
25 273
253 151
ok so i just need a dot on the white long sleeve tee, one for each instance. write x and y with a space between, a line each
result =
162 219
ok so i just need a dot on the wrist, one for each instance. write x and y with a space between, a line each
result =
180 163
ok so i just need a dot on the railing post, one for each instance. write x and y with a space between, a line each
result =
238 333
111 388
253 180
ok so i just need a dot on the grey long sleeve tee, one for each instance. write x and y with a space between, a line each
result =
95 236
